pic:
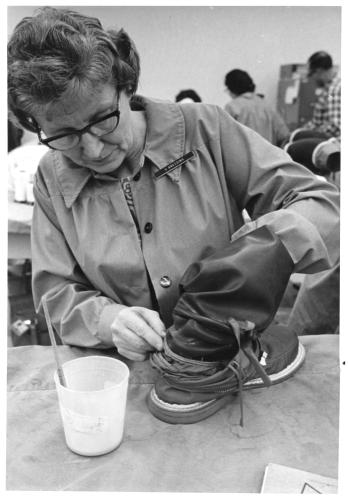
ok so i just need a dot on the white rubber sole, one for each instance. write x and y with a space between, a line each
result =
284 374
173 413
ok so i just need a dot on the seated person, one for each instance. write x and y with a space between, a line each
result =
317 146
327 109
317 143
134 192
252 110
188 95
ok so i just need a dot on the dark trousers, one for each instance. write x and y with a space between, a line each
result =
315 150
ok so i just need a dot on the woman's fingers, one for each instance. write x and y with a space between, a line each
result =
127 339
137 329
134 356
153 319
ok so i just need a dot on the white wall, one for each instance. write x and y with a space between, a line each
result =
194 47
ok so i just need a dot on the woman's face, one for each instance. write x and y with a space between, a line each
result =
102 154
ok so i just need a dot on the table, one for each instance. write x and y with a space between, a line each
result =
19 224
294 423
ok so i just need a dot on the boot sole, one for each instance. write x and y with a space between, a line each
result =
284 374
174 413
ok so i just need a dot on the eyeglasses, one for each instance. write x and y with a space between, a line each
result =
103 126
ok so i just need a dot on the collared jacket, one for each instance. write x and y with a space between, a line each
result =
253 111
87 255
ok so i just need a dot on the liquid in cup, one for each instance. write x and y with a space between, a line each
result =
93 404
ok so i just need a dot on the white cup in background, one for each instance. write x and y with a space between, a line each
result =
20 185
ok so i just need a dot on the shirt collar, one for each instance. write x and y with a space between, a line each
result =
165 140
165 136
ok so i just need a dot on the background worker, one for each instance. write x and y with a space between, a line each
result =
252 110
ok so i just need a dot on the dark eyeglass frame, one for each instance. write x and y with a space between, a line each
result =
82 131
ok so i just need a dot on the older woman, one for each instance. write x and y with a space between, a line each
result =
135 190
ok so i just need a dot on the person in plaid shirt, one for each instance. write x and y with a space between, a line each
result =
317 144
316 309
327 109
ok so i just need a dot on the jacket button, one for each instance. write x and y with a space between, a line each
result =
137 176
148 227
165 282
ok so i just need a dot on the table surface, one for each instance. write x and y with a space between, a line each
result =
19 217
294 423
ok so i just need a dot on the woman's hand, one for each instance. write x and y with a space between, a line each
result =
136 331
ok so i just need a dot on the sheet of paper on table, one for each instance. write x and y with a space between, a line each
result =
281 479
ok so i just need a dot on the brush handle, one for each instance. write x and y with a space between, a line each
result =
54 344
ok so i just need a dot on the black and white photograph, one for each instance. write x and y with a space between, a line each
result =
173 248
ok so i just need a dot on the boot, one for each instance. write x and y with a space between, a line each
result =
219 343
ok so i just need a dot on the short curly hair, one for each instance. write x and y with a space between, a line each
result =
238 82
188 94
58 51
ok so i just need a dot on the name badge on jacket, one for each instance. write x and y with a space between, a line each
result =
173 165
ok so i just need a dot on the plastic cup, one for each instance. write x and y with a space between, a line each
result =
93 404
